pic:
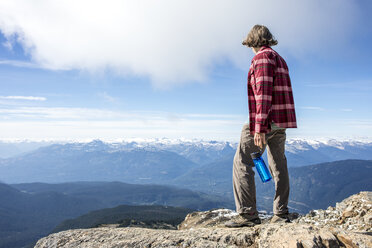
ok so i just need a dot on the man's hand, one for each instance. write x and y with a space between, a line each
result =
259 139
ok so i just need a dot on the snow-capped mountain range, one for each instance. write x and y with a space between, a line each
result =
155 161
299 151
197 165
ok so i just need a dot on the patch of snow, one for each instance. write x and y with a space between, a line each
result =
224 213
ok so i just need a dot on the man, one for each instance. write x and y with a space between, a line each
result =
271 111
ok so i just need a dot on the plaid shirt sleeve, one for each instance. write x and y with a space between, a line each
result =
263 72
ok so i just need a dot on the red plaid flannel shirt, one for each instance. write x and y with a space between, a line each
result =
270 96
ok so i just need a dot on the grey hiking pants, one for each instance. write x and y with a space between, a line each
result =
243 174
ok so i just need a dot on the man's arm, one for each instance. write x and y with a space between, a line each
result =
264 77
264 83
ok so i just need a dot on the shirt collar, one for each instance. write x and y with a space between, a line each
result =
262 49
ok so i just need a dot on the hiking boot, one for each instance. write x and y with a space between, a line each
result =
280 218
243 221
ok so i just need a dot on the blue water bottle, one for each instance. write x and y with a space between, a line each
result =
261 167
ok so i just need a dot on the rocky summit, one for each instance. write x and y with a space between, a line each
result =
348 224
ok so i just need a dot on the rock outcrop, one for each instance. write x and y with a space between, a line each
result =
348 224
354 213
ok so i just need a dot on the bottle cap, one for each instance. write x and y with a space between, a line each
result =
255 155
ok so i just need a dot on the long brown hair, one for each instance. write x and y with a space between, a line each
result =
259 36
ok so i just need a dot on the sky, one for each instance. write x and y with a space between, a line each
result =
113 70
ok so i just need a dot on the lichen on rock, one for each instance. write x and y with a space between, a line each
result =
354 213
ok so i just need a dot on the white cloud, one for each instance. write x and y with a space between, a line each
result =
19 63
111 130
108 98
346 109
83 114
8 45
27 98
313 108
169 41
38 123
60 113
356 85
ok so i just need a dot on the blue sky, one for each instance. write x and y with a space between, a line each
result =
156 69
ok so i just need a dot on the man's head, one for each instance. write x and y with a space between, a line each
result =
259 36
